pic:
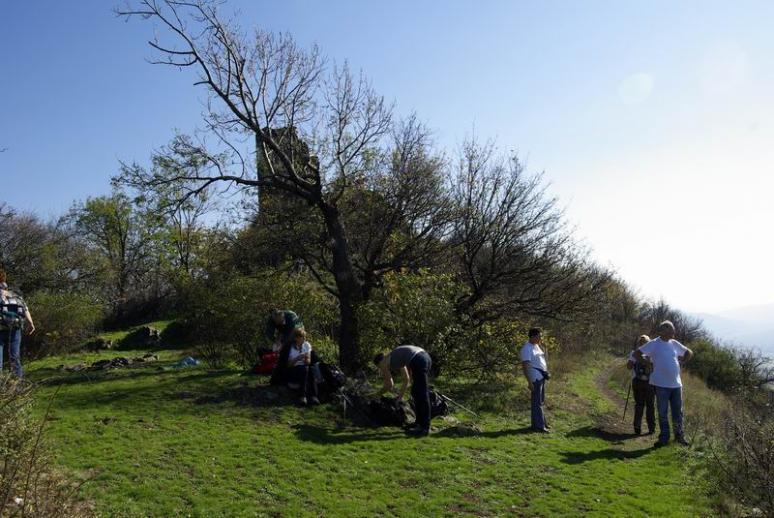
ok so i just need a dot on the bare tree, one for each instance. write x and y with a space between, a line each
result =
515 252
286 121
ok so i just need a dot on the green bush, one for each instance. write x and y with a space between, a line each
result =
63 322
716 365
226 320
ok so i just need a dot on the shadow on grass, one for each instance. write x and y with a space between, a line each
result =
456 432
321 435
579 457
600 433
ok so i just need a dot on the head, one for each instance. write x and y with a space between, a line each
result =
642 340
278 316
300 335
534 335
666 330
378 359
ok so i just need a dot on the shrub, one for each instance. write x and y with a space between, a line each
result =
227 319
745 457
63 322
716 365
27 486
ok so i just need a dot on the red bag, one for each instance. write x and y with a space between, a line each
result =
266 363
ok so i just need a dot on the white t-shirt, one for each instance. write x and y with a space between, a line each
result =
295 356
666 367
534 355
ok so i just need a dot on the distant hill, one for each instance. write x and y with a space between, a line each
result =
751 326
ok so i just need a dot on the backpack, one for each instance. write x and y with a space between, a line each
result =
438 405
334 378
642 371
266 363
12 310
387 411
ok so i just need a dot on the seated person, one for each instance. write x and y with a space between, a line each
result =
298 367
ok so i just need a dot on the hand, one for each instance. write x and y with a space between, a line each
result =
30 330
531 386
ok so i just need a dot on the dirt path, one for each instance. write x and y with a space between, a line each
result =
611 426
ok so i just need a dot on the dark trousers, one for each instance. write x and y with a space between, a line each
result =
644 401
537 417
302 375
420 369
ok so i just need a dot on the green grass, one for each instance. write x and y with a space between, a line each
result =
192 442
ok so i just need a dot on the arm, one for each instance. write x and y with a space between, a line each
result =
405 379
28 318
686 357
630 364
638 355
525 368
388 385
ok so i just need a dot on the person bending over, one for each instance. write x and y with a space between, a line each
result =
413 363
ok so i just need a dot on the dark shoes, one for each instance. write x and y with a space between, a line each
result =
680 439
637 431
314 401
660 444
418 431
541 430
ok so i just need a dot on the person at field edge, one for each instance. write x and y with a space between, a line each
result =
644 393
413 363
298 365
667 356
535 368
14 314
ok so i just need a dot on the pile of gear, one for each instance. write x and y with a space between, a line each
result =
114 363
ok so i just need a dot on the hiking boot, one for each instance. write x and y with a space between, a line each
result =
680 439
418 431
651 431
660 444
302 401
638 431
314 401
541 430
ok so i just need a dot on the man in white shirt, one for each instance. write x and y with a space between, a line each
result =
667 356
533 364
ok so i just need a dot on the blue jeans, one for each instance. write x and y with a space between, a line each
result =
666 398
538 398
14 351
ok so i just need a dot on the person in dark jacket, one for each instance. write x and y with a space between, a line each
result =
644 393
413 363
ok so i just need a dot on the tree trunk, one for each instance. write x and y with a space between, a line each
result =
350 291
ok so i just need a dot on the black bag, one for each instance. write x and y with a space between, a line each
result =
387 411
438 405
642 371
334 378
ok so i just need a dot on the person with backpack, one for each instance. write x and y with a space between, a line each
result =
535 368
644 393
14 315
667 356
413 363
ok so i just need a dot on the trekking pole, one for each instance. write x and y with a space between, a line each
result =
628 393
450 400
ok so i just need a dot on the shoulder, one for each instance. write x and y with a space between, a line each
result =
678 345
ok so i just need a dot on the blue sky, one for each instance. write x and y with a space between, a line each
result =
651 120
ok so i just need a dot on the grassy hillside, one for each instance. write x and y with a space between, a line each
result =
156 441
